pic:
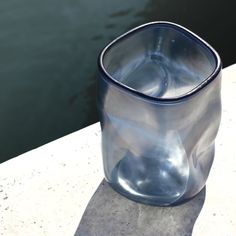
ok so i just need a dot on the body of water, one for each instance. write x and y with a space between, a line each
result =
48 58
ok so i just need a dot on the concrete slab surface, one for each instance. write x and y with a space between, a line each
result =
46 191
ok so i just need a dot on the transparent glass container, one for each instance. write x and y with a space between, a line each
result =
160 108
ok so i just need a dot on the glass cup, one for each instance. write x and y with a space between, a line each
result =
159 106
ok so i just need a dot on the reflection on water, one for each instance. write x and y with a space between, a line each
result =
48 54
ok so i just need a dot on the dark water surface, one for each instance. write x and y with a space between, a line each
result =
48 54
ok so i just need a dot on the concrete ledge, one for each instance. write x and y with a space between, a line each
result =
109 213
218 216
45 191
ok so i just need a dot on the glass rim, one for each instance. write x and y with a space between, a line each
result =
179 28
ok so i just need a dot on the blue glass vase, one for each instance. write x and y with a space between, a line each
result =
160 108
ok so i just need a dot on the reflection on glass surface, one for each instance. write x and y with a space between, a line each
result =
160 108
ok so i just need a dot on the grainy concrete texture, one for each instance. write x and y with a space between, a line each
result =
110 214
45 192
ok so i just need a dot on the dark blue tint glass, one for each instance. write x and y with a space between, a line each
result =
160 108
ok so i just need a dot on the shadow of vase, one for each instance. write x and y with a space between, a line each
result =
110 214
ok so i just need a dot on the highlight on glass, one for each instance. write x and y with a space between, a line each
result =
160 107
